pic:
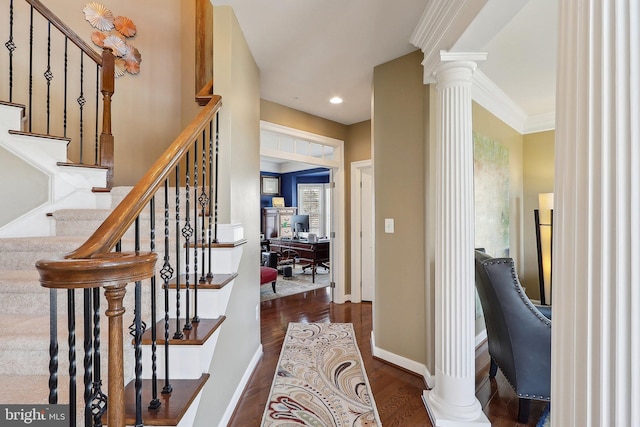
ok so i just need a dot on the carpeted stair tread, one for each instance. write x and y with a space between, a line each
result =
20 281
27 333
21 293
21 253
24 389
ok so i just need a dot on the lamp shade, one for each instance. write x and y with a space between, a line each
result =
545 228
545 206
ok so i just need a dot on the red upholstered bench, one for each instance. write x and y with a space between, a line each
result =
268 274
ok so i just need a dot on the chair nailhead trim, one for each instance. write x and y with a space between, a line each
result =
516 283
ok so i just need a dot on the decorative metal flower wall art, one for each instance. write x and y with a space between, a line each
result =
114 33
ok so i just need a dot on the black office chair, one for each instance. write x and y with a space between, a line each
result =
518 332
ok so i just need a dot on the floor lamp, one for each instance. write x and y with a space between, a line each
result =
544 239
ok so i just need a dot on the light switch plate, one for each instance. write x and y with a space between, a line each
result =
388 225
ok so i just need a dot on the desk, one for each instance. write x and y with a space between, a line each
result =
316 254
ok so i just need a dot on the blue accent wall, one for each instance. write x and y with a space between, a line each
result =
289 184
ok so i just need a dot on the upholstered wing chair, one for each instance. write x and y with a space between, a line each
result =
518 332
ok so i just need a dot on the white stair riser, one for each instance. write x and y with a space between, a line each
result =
185 361
11 117
212 303
223 260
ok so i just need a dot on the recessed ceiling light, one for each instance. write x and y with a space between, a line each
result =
336 100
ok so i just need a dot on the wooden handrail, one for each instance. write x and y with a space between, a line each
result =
68 32
205 94
117 223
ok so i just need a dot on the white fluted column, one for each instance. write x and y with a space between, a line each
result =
452 402
596 257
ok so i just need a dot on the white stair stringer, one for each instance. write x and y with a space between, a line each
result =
69 187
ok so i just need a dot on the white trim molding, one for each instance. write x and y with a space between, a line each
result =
489 95
401 361
442 23
540 123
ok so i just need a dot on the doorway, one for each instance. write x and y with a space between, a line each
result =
293 149
362 232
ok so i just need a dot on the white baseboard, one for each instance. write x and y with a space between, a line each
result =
403 362
240 389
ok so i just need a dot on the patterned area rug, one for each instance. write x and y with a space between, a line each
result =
300 282
320 380
545 419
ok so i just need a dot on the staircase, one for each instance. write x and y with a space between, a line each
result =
59 226
24 319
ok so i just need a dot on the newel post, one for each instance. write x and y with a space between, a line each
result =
116 408
107 89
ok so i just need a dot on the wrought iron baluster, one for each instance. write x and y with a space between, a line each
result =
48 75
31 71
155 402
204 200
71 324
11 46
98 398
88 355
196 246
81 101
215 214
53 346
166 273
66 85
137 329
178 333
187 232
210 237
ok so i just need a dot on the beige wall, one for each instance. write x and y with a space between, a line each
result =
237 80
285 116
146 107
539 160
399 113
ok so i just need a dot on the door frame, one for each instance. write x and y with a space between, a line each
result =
336 164
356 242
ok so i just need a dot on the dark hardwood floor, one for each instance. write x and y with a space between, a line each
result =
397 393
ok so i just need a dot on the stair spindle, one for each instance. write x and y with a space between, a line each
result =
71 326
155 402
88 355
187 232
98 398
166 273
178 333
53 346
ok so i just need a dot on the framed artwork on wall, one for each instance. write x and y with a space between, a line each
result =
270 185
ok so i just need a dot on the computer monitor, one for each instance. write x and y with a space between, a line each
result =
300 223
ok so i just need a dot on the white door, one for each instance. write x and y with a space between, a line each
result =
366 237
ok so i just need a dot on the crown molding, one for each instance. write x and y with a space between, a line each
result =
442 23
540 123
486 93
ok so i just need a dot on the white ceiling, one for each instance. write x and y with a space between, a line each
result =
310 50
